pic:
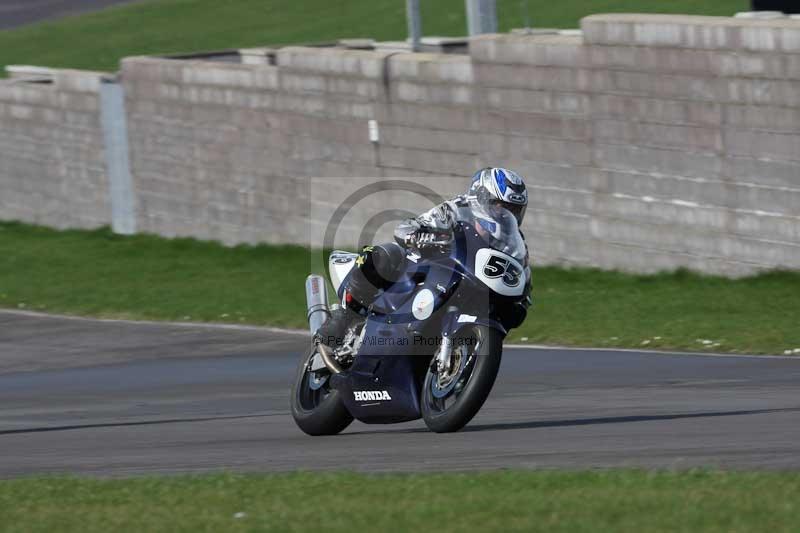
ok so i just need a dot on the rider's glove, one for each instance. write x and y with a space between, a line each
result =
428 238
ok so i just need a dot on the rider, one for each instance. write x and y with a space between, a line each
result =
376 265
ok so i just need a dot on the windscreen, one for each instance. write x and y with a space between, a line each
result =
497 227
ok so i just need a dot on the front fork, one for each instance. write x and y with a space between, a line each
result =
452 322
442 358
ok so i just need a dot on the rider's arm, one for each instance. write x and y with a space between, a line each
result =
439 220
405 232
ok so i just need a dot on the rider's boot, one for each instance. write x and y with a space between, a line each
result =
364 286
333 331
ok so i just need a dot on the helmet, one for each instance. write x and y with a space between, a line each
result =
500 187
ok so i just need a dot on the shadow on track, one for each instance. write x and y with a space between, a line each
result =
620 419
592 421
128 424
480 427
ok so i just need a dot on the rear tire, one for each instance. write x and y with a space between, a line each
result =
320 411
476 381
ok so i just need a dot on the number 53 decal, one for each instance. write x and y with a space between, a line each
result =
500 272
497 267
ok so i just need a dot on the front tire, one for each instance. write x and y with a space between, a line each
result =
450 401
316 408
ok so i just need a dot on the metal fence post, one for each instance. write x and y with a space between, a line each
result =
414 23
481 16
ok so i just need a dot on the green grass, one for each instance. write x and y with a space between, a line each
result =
97 273
679 310
619 501
98 40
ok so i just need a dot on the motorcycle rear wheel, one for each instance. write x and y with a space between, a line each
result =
316 408
449 400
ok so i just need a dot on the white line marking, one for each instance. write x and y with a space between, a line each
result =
647 352
196 325
267 329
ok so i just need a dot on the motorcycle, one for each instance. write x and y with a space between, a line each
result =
430 345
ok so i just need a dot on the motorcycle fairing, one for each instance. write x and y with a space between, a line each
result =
340 264
456 320
383 364
390 362
396 346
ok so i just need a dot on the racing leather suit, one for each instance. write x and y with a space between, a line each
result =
377 267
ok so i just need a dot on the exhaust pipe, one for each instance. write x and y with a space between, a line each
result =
327 357
318 313
317 302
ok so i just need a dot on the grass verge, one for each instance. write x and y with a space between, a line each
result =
99 40
97 273
619 501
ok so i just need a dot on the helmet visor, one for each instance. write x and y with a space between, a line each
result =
518 210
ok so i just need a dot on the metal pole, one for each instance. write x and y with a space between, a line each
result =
481 16
526 13
489 16
414 23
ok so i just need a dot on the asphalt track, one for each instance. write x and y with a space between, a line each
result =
111 398
14 13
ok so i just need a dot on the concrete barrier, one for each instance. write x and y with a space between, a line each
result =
52 167
649 142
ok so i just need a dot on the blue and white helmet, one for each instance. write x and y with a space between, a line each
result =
499 186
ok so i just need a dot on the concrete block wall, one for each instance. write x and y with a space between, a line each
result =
536 104
202 146
52 170
688 140
648 142
703 174
222 151
430 121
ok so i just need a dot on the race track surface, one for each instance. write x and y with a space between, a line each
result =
104 398
14 13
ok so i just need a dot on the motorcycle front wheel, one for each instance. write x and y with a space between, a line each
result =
316 408
453 395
